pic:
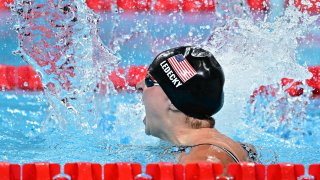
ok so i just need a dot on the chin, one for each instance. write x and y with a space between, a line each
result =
147 132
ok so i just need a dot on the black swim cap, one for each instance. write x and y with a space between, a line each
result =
191 78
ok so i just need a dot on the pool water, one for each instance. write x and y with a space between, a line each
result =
36 126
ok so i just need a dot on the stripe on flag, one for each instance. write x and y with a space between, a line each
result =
182 67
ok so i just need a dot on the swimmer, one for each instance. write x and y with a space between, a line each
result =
181 92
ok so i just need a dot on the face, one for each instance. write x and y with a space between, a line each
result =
156 106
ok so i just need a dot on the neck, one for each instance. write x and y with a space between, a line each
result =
177 132
188 136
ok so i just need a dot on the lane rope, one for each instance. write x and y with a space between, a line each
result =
166 6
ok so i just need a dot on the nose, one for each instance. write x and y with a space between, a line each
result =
140 86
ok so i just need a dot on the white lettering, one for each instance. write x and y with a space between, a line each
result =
179 84
166 68
171 77
163 62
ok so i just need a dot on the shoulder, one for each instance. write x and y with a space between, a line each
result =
205 153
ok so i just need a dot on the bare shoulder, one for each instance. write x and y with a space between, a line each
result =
205 153
235 147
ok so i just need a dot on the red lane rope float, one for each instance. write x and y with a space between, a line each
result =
9 171
203 171
284 171
134 5
314 81
7 77
247 171
125 79
165 171
166 6
28 79
156 171
314 170
292 87
83 170
145 5
100 5
4 2
159 6
186 5
23 78
259 5
122 171
312 6
33 171
199 6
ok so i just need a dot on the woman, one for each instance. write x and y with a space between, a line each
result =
182 90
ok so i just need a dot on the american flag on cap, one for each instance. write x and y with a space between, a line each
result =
182 67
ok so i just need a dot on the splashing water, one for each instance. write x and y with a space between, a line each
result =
259 53
290 118
254 53
60 39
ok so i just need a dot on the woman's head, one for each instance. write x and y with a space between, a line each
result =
181 95
191 78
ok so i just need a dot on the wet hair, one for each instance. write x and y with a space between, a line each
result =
195 123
